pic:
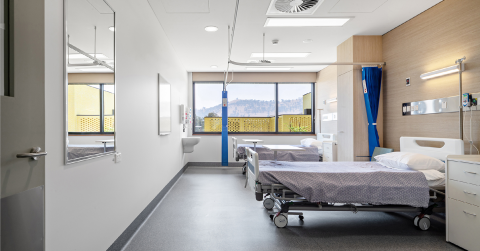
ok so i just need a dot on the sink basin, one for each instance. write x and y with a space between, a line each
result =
189 143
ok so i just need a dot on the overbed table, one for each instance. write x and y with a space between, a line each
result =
105 141
276 148
254 141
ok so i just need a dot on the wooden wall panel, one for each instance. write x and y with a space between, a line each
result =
87 78
352 116
430 41
345 54
326 88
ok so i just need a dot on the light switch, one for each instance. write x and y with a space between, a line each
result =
444 105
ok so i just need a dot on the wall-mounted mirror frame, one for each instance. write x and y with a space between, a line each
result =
66 86
164 107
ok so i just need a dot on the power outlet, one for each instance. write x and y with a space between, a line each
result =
117 157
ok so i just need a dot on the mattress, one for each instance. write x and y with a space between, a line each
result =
436 183
311 154
348 182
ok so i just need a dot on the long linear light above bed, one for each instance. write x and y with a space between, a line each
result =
445 71
306 22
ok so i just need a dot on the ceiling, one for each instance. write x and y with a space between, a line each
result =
184 22
82 18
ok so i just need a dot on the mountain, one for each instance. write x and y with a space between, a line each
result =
254 108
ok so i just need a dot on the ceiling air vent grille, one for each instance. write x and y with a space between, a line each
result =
294 6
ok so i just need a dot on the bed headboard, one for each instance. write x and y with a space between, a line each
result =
450 147
234 149
326 137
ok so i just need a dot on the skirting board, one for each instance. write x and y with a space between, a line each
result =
123 239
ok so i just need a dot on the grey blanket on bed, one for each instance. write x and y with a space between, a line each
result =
310 153
348 182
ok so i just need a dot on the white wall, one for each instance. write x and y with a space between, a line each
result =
327 89
89 204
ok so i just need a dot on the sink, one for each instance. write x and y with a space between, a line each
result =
189 143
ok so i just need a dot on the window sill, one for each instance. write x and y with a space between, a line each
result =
259 134
91 134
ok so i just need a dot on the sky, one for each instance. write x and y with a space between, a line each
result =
209 95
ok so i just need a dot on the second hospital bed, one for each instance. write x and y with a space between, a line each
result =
311 153
347 186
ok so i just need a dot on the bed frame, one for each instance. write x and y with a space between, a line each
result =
284 200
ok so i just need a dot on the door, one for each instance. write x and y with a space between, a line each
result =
23 127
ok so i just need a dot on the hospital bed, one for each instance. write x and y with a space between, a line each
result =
292 187
80 151
311 153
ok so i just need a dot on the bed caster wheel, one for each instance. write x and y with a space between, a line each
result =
415 220
271 216
280 221
301 217
268 203
424 223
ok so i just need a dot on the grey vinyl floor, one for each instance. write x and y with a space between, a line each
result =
209 209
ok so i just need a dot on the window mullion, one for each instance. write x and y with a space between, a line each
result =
102 111
276 107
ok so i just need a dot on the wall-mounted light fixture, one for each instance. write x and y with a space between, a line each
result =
459 67
332 100
445 71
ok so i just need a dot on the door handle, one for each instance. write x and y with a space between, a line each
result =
33 154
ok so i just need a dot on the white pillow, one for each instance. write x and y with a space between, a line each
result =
306 142
415 161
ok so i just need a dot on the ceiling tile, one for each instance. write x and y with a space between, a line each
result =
356 6
186 6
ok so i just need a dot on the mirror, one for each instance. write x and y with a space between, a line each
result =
90 79
164 107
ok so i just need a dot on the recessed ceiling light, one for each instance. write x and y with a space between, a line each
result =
269 68
307 41
305 22
211 28
280 54
111 28
214 66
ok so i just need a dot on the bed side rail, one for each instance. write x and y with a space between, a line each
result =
252 159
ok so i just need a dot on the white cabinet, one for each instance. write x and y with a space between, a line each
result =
463 201
329 151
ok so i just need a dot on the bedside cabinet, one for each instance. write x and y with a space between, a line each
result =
329 151
463 201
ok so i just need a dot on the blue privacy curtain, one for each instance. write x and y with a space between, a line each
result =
372 83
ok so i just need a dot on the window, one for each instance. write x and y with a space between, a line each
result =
254 107
91 108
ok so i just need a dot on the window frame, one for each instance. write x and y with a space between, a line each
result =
102 111
276 111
